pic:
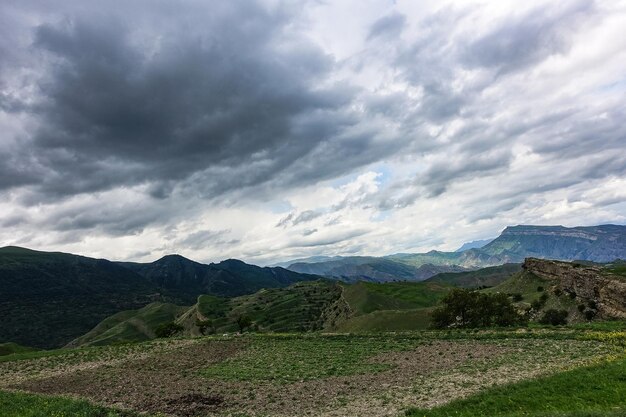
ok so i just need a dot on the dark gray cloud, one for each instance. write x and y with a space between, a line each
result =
293 218
228 103
206 238
529 38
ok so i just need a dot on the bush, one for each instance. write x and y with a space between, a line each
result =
590 314
168 329
243 322
470 309
517 297
554 317
581 307
558 292
540 289
205 326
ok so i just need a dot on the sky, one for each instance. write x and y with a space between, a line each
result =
272 130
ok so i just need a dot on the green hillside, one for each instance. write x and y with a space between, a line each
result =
302 306
10 348
49 298
130 326
489 276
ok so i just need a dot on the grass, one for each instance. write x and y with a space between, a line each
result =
598 390
366 297
130 326
388 320
17 404
291 358
13 348
489 276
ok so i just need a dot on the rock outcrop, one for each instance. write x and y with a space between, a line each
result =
589 283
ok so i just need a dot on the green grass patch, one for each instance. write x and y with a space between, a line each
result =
17 404
290 358
10 348
589 391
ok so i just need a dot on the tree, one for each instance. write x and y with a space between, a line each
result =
168 329
205 326
465 308
243 322
554 317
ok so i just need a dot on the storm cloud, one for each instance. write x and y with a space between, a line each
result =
265 130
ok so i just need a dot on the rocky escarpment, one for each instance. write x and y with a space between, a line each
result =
588 283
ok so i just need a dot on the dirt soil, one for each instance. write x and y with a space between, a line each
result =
168 381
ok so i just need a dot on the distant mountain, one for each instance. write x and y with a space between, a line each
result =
368 268
602 243
49 298
187 279
475 244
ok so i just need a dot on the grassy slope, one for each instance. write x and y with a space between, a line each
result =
391 306
489 276
591 391
12 348
130 326
528 285
16 404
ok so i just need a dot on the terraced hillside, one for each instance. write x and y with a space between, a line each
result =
305 306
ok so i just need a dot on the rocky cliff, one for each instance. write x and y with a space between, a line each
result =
587 283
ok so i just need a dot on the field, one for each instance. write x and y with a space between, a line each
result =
416 373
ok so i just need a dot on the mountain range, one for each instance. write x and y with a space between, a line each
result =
48 299
603 243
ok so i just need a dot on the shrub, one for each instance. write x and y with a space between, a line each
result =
205 326
243 322
554 317
540 289
168 329
581 307
572 295
593 304
590 314
558 292
517 297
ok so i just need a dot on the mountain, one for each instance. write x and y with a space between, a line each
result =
49 298
368 268
603 243
475 244
187 279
